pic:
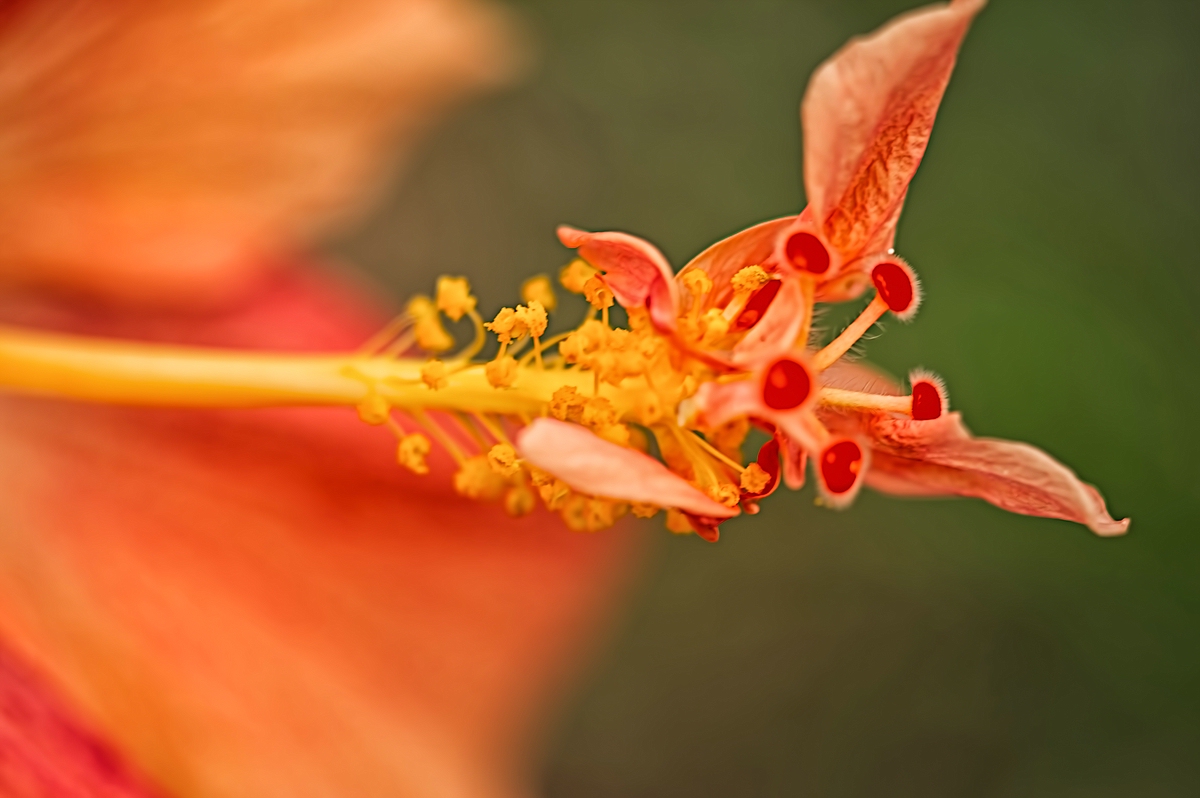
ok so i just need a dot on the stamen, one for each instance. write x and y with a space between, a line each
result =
841 465
786 384
806 252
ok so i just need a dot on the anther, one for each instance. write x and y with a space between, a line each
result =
575 275
786 384
413 450
539 289
841 466
501 372
806 252
454 297
433 374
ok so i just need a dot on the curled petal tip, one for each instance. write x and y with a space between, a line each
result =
570 236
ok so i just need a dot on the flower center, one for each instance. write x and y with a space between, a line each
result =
840 466
786 385
806 252
894 285
757 306
926 401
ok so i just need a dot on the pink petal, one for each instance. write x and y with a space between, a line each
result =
794 459
634 269
940 457
720 402
754 246
867 116
592 465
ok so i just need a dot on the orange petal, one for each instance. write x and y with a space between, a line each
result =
174 151
592 465
636 272
867 116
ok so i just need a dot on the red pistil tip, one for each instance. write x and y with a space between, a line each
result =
928 396
897 286
759 301
842 466
787 384
806 252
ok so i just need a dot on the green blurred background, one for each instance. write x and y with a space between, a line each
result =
900 648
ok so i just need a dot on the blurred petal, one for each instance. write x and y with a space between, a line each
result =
45 752
592 465
261 602
867 116
174 151
636 272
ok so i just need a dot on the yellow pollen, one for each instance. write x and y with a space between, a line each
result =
715 326
539 289
501 372
574 276
597 293
750 279
475 479
696 281
505 325
519 500
725 493
566 404
503 460
532 318
427 327
554 494
414 448
755 479
454 297
643 510
433 374
374 410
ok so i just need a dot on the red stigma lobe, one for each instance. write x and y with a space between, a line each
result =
760 300
787 385
926 401
894 285
806 252
840 466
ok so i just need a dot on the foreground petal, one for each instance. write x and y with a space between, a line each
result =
638 274
260 602
592 465
867 116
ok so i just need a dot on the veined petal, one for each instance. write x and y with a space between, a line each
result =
592 465
940 457
754 246
636 272
794 459
867 116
